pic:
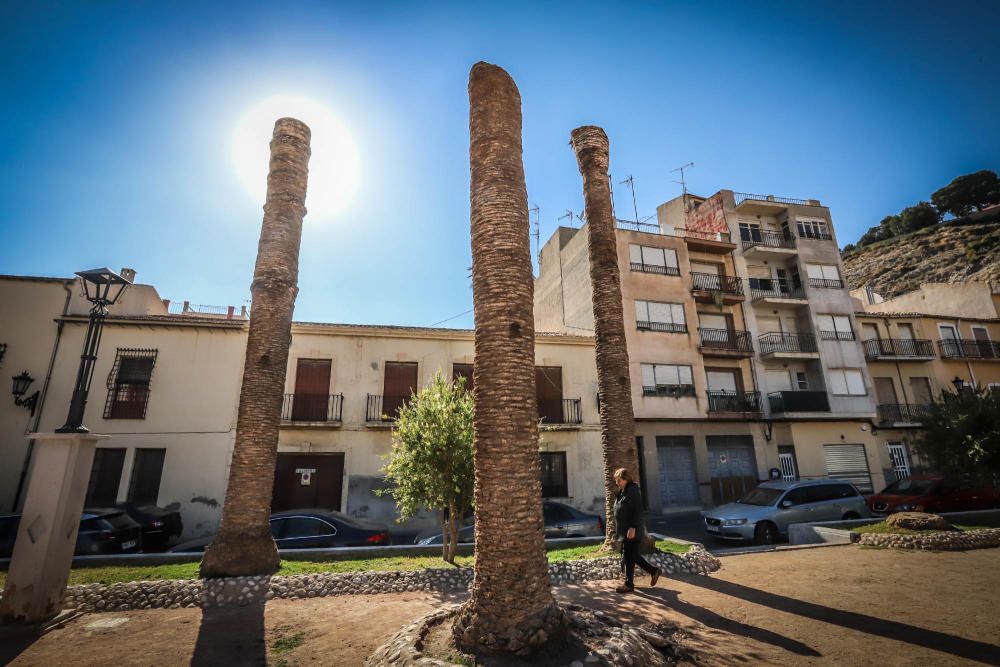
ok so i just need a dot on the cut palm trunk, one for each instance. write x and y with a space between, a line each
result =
243 545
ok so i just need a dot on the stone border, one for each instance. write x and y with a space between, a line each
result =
242 591
939 540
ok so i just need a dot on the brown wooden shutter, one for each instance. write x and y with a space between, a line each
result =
400 383
312 389
548 388
463 371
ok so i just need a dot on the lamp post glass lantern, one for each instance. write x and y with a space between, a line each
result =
959 384
19 387
102 288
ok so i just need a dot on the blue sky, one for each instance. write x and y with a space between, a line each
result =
118 121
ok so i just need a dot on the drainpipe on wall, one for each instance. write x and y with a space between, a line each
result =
41 399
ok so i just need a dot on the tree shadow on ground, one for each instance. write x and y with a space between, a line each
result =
15 640
231 636
969 649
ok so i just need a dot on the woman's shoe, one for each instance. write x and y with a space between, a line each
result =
655 577
625 588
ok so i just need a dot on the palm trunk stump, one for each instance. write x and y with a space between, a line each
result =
590 144
243 545
511 609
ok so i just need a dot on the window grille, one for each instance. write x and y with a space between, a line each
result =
129 383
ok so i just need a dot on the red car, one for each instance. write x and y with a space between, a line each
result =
936 494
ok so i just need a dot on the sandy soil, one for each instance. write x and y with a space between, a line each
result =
837 606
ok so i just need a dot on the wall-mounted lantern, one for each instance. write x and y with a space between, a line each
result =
19 387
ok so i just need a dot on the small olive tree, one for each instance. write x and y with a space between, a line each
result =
430 465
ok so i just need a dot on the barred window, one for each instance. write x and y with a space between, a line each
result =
553 472
128 384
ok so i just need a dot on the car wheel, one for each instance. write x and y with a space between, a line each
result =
766 533
851 516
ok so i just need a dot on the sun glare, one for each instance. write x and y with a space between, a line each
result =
333 167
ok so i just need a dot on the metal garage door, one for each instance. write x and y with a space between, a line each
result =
732 466
849 462
678 478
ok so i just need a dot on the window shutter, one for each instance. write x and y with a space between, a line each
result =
855 383
838 382
635 254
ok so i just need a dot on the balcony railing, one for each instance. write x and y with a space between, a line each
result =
711 282
724 237
312 408
633 226
837 335
381 408
967 348
876 348
655 268
771 343
734 401
826 283
672 390
560 410
766 239
741 197
817 236
726 340
664 327
798 401
902 413
774 288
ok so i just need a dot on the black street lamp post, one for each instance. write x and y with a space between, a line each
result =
102 288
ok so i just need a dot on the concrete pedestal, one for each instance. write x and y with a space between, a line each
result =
46 537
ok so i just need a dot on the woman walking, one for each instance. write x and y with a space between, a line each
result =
629 523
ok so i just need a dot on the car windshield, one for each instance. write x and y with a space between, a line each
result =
910 487
761 496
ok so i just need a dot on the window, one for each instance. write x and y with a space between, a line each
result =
553 513
801 381
400 382
835 327
553 473
847 382
667 380
105 476
750 231
656 316
799 496
128 384
824 275
147 471
463 371
653 260
813 229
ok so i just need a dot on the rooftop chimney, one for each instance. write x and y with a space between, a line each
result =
128 274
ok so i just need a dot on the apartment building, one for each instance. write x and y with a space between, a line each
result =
166 388
939 337
744 355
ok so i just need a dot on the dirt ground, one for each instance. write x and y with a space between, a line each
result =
836 606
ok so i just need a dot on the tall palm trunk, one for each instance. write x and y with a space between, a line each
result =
243 545
617 418
511 608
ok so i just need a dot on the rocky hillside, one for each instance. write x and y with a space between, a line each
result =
943 253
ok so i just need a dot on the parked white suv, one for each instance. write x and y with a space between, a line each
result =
765 513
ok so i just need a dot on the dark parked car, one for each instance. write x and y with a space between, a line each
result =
159 526
934 493
102 531
560 521
311 529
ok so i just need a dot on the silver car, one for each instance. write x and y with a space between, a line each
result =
764 514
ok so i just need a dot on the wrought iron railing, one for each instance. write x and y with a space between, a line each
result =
766 238
712 282
775 288
798 401
633 226
967 348
826 283
664 327
898 347
383 408
705 235
734 401
838 335
672 390
655 268
816 236
312 408
560 410
726 340
786 342
902 413
741 197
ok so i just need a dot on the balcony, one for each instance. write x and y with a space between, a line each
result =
788 346
659 269
826 283
798 401
725 343
776 291
662 327
967 348
898 414
312 408
734 401
671 390
815 235
766 243
837 335
718 243
713 288
380 409
767 204
899 348
555 411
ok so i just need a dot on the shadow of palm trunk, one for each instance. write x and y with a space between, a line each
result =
231 636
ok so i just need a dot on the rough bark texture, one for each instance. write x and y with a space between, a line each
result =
243 545
511 609
617 418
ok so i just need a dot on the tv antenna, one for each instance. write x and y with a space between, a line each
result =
683 183
568 215
536 233
631 184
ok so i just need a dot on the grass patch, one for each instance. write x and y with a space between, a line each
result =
289 643
120 574
882 528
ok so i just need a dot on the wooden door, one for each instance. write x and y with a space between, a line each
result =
983 343
308 481
312 390
548 389
400 383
